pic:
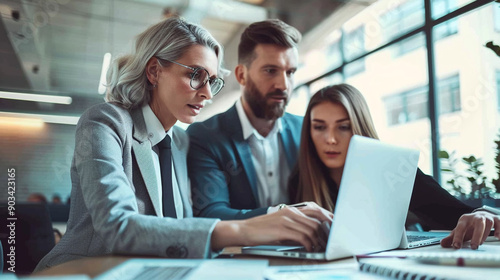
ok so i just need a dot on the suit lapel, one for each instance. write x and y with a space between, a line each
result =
142 150
287 137
232 125
179 154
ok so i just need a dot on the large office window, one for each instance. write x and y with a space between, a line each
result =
396 109
333 55
469 119
496 18
354 46
412 105
409 16
441 8
394 89
498 88
298 101
335 78
448 93
407 106
465 74
402 19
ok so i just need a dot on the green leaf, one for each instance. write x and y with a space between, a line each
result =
443 154
469 159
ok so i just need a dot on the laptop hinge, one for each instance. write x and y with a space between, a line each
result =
404 241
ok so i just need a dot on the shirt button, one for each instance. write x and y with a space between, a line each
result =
270 174
150 135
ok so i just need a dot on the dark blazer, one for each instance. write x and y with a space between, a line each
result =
115 205
223 177
433 205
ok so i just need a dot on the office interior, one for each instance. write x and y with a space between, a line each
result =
429 70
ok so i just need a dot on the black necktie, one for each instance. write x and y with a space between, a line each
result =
166 177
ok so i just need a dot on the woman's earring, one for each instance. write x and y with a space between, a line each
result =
154 86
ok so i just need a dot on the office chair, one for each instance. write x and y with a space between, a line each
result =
1 258
58 212
34 236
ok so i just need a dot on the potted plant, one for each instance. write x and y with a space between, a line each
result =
496 182
481 190
448 165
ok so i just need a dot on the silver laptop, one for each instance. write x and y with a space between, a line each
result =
177 269
415 239
372 203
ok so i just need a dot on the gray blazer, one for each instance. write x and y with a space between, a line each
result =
115 205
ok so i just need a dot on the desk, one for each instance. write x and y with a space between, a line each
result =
94 266
97 265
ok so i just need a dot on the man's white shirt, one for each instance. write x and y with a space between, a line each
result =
269 160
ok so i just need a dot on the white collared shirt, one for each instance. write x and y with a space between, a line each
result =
269 160
156 133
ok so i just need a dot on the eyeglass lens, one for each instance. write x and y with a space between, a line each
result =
200 77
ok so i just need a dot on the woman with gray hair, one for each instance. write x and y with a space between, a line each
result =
130 191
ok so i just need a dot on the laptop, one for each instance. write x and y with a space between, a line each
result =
372 203
415 239
182 269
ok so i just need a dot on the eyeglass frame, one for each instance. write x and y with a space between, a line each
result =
192 76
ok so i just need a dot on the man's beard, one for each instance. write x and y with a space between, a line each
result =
258 102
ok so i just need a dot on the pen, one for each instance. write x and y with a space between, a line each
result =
474 260
298 205
478 260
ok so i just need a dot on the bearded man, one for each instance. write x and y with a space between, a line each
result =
239 161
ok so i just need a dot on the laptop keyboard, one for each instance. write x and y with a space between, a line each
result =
415 238
164 272
318 249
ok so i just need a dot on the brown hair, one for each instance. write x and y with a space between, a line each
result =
271 31
312 173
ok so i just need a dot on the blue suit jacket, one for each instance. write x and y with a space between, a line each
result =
223 177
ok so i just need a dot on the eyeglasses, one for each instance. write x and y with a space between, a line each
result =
200 77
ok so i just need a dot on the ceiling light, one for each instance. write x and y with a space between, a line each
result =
36 97
21 122
105 65
57 119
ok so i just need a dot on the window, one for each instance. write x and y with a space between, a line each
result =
404 18
498 87
441 8
407 106
448 93
416 104
333 79
394 79
354 46
408 45
298 101
354 68
333 55
395 110
409 16
496 17
412 105
354 43
469 119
